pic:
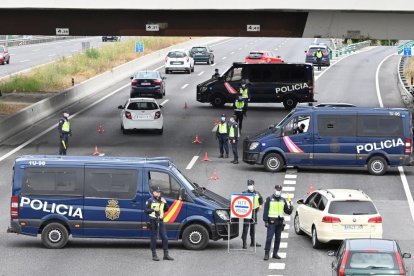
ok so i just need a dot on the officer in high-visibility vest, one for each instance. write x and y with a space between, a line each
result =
257 204
65 131
239 111
234 135
319 56
222 135
244 93
275 208
156 206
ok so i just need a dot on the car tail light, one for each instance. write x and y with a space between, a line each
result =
400 263
407 146
375 220
343 263
310 86
268 60
156 81
128 115
14 207
135 82
330 219
326 53
166 59
157 115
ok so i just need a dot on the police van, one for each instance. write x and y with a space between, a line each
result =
286 83
104 197
331 135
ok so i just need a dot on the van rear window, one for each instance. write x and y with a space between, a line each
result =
380 126
53 182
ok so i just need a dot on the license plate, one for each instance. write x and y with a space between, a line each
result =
353 227
143 117
145 83
177 62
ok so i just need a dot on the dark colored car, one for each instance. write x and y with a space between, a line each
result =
202 54
148 83
4 55
311 52
369 257
111 38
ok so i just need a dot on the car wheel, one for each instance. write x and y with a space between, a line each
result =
8 61
212 61
160 131
167 71
218 100
296 224
377 165
315 242
208 61
188 70
195 237
290 103
192 69
124 131
273 162
55 235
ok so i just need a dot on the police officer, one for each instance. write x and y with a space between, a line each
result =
319 56
234 135
257 204
156 206
65 131
216 74
239 110
244 93
274 211
223 136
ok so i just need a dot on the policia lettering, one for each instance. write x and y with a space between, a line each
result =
53 208
387 144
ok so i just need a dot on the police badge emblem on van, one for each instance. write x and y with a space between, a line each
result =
112 210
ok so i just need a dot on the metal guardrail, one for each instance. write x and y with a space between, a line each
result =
34 40
351 48
408 44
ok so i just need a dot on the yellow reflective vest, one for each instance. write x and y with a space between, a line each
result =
160 205
66 126
276 209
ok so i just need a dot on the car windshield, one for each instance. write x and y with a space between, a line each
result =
372 260
313 50
187 182
1 49
142 106
199 49
147 75
255 55
352 207
176 54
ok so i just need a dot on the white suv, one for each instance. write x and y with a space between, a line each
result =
141 113
337 214
179 60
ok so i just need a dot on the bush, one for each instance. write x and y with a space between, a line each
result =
92 53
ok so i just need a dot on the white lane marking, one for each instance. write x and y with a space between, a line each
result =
232 53
213 64
227 41
184 86
276 49
26 60
284 235
407 191
315 40
291 176
192 162
291 171
13 151
287 227
199 74
164 102
158 68
289 182
287 218
283 245
377 80
223 58
279 266
288 189
52 55
36 50
282 255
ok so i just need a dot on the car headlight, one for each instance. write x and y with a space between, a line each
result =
223 214
254 145
203 89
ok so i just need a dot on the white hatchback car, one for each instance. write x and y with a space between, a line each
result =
141 113
179 60
337 214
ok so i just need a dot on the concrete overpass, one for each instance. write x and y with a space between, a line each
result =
295 18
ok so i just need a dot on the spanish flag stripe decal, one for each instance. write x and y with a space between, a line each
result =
173 211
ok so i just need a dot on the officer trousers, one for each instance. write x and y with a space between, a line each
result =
252 224
274 229
239 118
319 61
63 143
246 105
234 149
157 226
223 146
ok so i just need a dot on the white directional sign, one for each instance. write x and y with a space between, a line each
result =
62 31
241 206
253 28
152 27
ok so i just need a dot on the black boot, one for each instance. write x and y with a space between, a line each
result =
236 162
266 256
257 244
221 156
155 257
167 257
227 155
244 244
275 256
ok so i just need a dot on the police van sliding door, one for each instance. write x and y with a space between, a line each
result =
335 139
111 206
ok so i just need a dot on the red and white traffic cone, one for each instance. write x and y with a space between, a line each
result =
311 189
97 153
100 128
197 140
214 176
185 105
206 157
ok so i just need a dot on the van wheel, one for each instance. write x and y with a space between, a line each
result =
290 103
296 224
55 235
377 165
195 237
273 162
315 242
217 100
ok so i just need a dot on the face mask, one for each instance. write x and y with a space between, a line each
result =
250 188
66 115
223 119
278 193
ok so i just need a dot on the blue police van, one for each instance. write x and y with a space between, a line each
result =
104 197
329 135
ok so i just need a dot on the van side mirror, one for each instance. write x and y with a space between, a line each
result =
183 194
306 52
120 107
271 126
211 50
300 201
406 255
160 106
331 253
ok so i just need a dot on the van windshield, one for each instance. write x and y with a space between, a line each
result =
187 182
281 123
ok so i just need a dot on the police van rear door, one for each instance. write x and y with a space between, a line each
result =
112 207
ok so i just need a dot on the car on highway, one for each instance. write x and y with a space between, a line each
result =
179 60
336 214
286 83
369 257
334 136
111 38
147 83
311 58
202 54
263 57
4 55
141 113
104 197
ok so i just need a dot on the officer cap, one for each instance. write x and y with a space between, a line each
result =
278 187
156 189
223 115
250 182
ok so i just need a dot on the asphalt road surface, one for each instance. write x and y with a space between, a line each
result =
351 80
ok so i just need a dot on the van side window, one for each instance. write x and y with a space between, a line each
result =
53 181
258 74
322 203
380 126
235 74
297 125
332 125
169 187
111 183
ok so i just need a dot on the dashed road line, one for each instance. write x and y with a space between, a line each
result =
184 86
291 176
223 58
289 182
232 53
199 74
192 162
26 60
164 102
52 55
288 189
279 266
